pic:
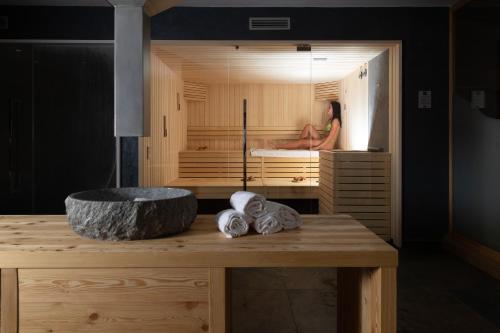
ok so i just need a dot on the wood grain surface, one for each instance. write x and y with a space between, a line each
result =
113 300
335 241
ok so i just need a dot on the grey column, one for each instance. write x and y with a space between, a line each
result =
132 52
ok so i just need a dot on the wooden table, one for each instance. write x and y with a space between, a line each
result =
55 281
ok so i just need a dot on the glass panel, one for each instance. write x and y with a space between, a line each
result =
276 82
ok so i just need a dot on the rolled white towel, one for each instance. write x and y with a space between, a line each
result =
249 203
287 216
232 223
267 224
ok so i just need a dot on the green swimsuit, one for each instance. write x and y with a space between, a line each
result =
328 127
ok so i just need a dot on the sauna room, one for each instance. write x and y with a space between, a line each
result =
220 110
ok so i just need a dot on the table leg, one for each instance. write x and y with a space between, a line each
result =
219 300
9 301
367 300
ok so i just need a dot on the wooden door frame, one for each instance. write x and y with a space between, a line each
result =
395 108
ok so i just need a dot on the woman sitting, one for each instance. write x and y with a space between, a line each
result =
310 137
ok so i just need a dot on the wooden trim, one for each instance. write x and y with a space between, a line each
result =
451 83
483 257
9 301
395 139
153 7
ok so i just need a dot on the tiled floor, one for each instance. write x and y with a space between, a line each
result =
283 300
437 293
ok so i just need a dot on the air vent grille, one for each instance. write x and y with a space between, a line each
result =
4 22
269 23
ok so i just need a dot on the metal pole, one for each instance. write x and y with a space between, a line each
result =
244 144
118 162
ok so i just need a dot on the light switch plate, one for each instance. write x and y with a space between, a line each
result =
424 99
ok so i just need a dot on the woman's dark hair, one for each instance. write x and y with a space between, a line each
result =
336 111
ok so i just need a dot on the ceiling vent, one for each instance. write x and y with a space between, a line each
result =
269 23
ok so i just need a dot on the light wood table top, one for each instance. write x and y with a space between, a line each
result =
47 241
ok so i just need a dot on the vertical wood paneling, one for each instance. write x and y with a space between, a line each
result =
168 127
269 106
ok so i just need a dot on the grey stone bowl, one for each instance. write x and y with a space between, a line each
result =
131 213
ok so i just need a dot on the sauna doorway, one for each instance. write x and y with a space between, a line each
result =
196 140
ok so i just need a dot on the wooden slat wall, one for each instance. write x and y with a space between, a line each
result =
288 168
231 138
159 161
281 110
195 91
358 184
219 164
327 91
200 164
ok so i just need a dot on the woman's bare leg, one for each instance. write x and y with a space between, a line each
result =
309 132
299 144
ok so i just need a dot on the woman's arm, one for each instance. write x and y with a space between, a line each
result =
328 143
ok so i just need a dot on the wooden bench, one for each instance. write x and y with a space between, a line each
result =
359 184
217 174
217 138
52 280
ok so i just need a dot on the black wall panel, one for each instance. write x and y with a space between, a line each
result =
73 122
31 22
15 129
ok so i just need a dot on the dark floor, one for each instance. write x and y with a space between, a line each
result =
437 292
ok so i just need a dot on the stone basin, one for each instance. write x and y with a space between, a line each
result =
131 213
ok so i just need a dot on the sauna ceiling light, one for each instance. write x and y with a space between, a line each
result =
320 59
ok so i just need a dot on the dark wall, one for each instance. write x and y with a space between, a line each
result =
73 143
476 129
84 23
424 33
58 128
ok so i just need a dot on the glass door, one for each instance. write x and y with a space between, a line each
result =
275 81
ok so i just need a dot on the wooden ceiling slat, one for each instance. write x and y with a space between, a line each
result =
265 63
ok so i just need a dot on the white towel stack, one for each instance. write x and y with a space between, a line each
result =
287 216
249 203
232 223
265 217
267 224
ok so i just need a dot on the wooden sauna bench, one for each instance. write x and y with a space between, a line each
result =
218 174
52 280
357 183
